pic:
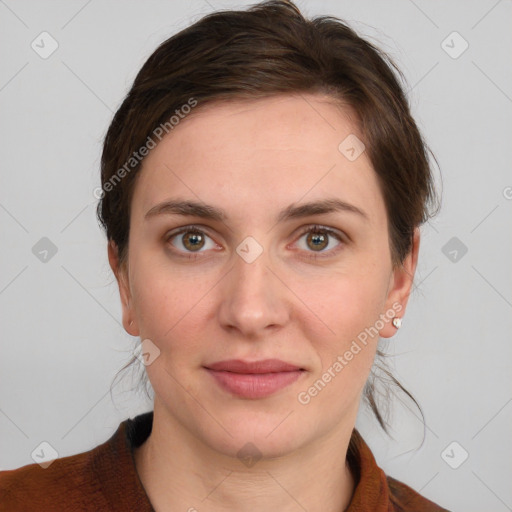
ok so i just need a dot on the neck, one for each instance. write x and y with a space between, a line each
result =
179 472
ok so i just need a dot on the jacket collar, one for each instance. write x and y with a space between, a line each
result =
115 467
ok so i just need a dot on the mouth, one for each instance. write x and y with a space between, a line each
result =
254 380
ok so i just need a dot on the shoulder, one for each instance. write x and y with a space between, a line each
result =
67 483
377 491
103 478
406 499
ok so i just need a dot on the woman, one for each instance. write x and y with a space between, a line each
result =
263 184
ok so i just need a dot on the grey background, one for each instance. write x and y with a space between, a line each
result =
61 339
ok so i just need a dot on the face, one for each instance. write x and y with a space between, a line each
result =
260 272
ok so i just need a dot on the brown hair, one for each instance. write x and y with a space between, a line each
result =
271 49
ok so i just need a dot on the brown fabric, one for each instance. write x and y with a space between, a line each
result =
105 479
377 492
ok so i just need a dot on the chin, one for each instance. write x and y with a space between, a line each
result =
268 435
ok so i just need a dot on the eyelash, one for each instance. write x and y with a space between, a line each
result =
308 229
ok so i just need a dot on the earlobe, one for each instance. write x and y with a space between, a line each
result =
121 274
397 322
400 290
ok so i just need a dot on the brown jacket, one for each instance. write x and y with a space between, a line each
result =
105 479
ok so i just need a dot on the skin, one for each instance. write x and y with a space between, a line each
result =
253 159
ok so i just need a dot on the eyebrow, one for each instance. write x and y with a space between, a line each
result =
294 211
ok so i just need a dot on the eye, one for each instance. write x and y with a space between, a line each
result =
318 239
190 239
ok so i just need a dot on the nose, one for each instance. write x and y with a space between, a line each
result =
254 300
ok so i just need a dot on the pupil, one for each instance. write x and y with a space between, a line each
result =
318 239
193 240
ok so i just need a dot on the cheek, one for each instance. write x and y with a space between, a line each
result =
350 306
349 302
171 304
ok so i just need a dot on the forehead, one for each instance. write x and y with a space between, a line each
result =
259 154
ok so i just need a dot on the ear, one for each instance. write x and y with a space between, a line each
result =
121 273
400 287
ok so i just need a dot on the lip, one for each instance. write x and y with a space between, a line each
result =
256 379
263 366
